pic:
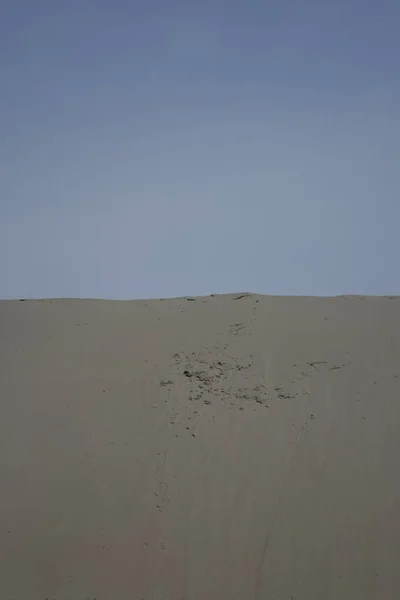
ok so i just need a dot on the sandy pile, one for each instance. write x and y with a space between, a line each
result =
222 448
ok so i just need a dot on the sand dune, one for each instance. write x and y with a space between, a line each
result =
236 447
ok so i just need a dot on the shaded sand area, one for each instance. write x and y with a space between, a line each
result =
236 447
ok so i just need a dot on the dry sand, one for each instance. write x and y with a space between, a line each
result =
218 448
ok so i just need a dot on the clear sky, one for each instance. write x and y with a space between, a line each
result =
165 148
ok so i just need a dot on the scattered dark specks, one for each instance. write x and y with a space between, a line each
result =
241 408
312 416
285 396
207 401
187 373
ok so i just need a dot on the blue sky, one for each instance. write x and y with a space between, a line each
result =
169 148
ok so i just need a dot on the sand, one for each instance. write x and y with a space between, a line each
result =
236 447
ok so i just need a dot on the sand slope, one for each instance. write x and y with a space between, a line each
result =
218 448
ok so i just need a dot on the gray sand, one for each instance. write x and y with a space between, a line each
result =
216 448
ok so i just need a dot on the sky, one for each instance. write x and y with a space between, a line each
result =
169 148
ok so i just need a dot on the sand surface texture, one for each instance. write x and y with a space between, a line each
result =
235 447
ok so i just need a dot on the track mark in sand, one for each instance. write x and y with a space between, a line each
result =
316 363
287 469
317 366
173 417
237 329
161 494
166 382
254 312
257 393
178 357
284 395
